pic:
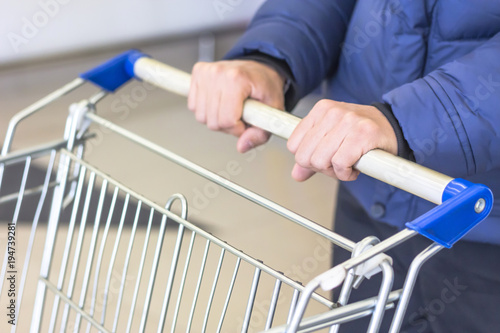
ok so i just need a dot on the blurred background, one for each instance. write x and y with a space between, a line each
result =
36 29
47 43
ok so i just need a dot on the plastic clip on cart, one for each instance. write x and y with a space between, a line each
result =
71 275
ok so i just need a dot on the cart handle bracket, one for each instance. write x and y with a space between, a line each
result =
464 205
115 72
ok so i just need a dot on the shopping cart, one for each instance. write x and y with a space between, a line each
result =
100 272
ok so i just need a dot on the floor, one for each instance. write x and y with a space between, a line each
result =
164 119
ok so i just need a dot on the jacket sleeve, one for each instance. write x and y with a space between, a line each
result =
451 117
306 34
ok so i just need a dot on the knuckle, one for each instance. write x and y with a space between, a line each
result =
290 145
324 103
350 117
215 69
343 176
302 160
235 74
318 162
213 126
199 67
200 117
227 122
339 164
368 127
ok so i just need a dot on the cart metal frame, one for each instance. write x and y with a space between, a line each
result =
461 206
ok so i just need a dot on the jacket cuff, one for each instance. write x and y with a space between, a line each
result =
290 87
404 150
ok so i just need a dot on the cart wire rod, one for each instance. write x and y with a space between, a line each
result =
385 288
274 303
34 226
35 107
30 191
341 314
40 150
55 211
113 257
183 281
100 255
34 153
411 278
140 270
346 319
229 293
212 292
78 250
91 252
156 259
67 248
14 221
152 275
175 257
197 289
72 304
125 266
97 97
251 300
68 199
235 188
383 295
298 311
344 295
252 261
339 321
293 304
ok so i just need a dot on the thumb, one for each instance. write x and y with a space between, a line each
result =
251 138
301 174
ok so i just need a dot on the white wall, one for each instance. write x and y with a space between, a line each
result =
40 28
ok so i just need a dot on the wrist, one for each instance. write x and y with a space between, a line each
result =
403 149
289 87
272 74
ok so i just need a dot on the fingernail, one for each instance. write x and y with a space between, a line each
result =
247 145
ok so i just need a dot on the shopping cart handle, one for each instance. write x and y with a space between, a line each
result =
393 170
406 175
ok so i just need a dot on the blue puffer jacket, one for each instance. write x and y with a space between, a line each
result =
436 62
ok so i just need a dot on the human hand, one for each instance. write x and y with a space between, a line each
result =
333 137
218 91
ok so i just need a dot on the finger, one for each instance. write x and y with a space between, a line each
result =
212 109
301 174
312 138
192 95
201 105
321 158
251 138
298 133
347 155
231 110
191 101
316 113
236 130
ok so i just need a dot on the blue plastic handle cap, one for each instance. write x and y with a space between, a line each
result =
115 72
464 205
